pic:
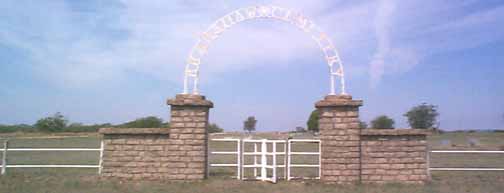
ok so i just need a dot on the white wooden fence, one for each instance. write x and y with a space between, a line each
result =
6 149
260 150
465 152
263 153
237 153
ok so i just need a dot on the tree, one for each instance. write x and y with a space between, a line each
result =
300 129
214 128
382 122
422 116
312 122
363 125
55 123
250 124
145 122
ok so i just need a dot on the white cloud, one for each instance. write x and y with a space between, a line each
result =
382 25
74 49
408 31
467 31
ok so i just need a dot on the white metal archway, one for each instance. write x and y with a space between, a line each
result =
271 12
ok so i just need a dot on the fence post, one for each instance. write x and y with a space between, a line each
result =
288 159
4 157
320 159
274 163
255 160
101 157
285 159
239 160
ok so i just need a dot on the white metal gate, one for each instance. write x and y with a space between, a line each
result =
261 151
264 154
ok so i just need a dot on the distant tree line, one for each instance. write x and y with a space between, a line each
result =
59 123
423 116
214 128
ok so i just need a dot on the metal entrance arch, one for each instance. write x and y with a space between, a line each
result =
268 12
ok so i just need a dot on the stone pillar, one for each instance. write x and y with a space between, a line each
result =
340 138
188 129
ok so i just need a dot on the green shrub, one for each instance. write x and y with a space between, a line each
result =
55 123
382 122
214 128
312 122
79 127
17 128
145 122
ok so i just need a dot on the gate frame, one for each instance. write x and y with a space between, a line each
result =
264 153
290 153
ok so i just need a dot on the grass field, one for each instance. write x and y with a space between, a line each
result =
87 180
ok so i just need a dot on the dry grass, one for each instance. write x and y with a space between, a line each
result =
86 181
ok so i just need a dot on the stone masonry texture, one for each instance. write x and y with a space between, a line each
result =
394 156
340 139
177 153
351 155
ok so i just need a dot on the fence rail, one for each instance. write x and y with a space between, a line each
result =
290 153
465 168
6 149
53 149
53 166
239 153
465 151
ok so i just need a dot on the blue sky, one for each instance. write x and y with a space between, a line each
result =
114 61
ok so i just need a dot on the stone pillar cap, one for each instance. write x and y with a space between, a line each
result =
338 101
190 100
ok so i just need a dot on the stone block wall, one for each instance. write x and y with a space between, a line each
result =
394 156
138 154
350 154
340 139
175 153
